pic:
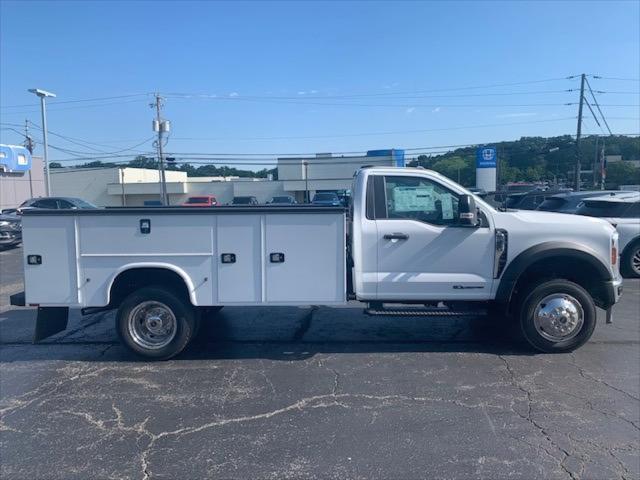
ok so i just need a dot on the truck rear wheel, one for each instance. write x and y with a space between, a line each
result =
557 316
155 323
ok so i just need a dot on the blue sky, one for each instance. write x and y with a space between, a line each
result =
288 77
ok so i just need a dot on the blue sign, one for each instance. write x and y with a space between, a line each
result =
486 157
14 158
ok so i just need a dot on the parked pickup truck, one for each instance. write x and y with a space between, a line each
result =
415 243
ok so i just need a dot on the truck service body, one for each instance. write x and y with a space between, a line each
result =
410 237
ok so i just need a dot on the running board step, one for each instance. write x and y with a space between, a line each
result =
418 312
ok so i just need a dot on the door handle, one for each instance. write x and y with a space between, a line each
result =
396 236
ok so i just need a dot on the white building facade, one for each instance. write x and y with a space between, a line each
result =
126 186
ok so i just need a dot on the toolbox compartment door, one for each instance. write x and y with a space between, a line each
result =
240 272
308 263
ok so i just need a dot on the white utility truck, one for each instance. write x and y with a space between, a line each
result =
411 243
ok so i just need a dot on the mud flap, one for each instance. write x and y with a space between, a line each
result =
609 317
50 321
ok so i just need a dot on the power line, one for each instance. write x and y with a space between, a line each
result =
593 114
475 87
97 99
616 78
394 95
598 106
77 107
86 144
396 132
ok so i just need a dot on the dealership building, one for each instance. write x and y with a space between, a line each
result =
126 186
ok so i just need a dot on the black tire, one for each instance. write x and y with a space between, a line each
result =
571 291
185 321
627 259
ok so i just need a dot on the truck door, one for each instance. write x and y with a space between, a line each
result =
423 253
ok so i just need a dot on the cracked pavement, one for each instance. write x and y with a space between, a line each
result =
318 393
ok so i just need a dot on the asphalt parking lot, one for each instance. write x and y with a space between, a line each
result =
317 393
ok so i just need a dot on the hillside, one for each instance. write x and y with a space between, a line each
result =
539 158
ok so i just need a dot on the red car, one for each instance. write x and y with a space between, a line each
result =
201 201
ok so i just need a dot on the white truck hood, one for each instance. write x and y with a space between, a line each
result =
529 228
565 220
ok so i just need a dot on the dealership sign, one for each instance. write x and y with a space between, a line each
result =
486 157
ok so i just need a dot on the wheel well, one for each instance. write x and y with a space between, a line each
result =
575 270
133 279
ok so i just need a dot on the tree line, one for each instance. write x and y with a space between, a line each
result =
550 159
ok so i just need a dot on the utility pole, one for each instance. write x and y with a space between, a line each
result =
603 167
28 144
579 133
306 181
124 197
160 126
595 163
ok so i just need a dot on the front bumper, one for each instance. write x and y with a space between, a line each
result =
610 293
10 237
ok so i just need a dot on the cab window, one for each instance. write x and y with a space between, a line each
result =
633 211
420 199
46 203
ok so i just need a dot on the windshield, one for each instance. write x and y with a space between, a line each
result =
281 200
325 197
78 202
242 200
512 201
600 208
551 204
198 200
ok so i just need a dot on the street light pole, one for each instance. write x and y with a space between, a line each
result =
43 108
306 181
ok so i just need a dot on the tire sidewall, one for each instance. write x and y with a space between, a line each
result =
542 290
627 258
183 312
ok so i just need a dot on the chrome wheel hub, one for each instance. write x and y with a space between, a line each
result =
635 261
152 325
558 317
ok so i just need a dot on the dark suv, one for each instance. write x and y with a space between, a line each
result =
569 202
244 201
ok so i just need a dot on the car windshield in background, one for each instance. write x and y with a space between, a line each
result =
282 200
512 201
325 197
552 203
82 203
198 200
605 209
242 201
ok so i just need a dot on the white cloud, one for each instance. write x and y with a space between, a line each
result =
302 93
410 110
314 91
435 110
517 114
233 94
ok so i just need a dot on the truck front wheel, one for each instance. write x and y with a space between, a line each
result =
557 316
155 323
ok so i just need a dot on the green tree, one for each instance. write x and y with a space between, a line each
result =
143 162
622 173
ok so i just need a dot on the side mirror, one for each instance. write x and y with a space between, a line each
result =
467 211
